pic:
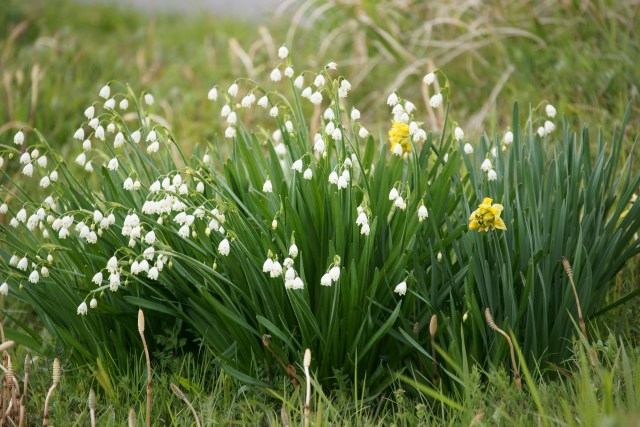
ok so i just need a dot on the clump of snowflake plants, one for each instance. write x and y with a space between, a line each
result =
295 233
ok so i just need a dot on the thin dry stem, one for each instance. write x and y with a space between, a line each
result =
475 122
7 385
23 405
6 345
567 268
15 402
307 408
23 399
477 419
148 359
132 418
283 416
433 328
10 41
492 325
239 53
5 399
182 397
9 373
27 371
6 80
35 84
56 380
289 369
92 407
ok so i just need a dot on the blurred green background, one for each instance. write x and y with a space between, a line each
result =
579 56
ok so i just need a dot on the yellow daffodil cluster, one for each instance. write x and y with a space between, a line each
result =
399 134
487 217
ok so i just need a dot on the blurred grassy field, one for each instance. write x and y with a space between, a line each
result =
580 56
577 55
55 56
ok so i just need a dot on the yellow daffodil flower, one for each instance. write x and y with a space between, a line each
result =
399 134
487 217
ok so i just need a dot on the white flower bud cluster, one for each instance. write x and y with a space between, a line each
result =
292 281
363 221
330 277
342 180
396 198
548 127
345 87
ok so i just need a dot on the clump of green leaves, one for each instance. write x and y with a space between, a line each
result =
264 243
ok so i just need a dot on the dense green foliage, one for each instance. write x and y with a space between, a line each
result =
192 242
567 193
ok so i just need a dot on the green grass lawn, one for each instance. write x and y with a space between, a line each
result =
55 57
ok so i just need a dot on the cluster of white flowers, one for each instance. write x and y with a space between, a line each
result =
85 232
131 226
396 198
184 221
230 115
33 160
402 111
98 130
436 100
548 126
345 87
342 180
23 264
90 226
287 269
172 198
488 168
62 225
145 264
363 221
319 145
332 276
297 166
248 100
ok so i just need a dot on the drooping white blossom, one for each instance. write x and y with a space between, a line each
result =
224 247
401 288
